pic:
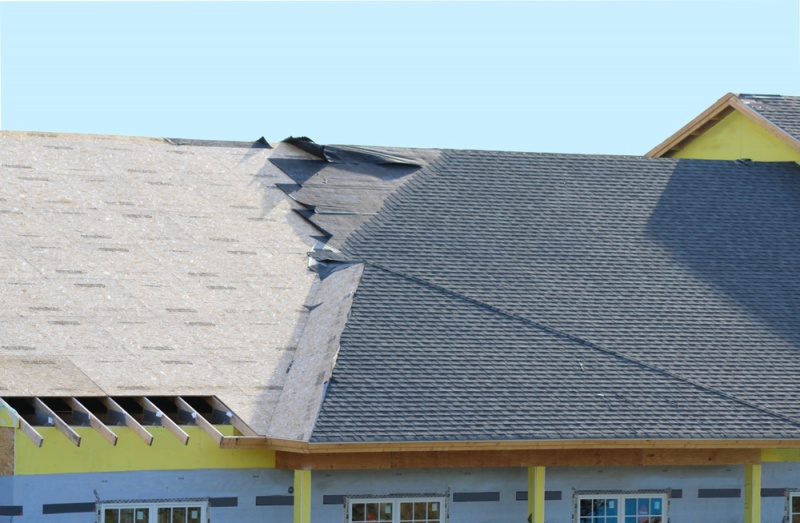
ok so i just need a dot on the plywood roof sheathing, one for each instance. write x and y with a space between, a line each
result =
166 422
130 421
44 410
95 423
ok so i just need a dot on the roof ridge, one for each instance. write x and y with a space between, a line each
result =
576 339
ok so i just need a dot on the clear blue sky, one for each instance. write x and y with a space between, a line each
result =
559 76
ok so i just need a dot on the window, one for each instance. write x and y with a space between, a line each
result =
396 510
634 507
794 507
192 511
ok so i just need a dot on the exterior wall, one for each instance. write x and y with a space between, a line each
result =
444 482
721 499
734 137
34 491
58 455
775 477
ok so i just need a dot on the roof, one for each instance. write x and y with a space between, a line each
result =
138 266
778 115
454 295
543 296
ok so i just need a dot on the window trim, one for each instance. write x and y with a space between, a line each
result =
153 505
621 496
396 500
790 495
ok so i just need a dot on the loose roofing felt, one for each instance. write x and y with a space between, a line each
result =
516 296
346 185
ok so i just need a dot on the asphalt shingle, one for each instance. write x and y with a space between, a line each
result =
517 296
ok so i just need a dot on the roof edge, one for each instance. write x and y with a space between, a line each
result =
686 131
550 444
765 123
729 102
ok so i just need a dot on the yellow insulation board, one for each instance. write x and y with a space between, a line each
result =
58 455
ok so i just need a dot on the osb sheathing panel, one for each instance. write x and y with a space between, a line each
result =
6 451
316 354
129 266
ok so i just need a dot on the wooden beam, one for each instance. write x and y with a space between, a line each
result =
95 423
235 420
24 426
166 422
263 442
201 422
411 446
29 431
517 458
129 420
59 424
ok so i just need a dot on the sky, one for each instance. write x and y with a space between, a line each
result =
549 76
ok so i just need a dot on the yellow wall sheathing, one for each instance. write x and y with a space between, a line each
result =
536 494
780 455
302 496
60 456
734 137
752 494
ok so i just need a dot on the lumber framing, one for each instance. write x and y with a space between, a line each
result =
708 118
130 421
24 426
31 432
94 422
198 418
235 420
552 444
166 422
42 409
518 458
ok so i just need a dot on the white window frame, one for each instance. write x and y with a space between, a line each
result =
792 494
620 497
153 507
395 501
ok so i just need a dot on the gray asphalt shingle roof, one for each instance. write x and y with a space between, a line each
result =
783 111
517 296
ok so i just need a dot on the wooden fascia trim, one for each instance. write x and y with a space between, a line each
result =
765 124
301 447
422 446
518 458
263 442
686 131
